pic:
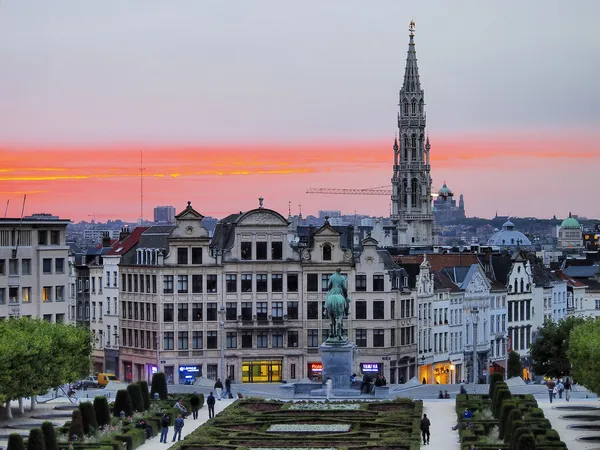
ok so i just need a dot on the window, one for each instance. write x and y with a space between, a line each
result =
196 284
141 309
292 310
393 309
154 284
325 281
211 339
246 282
261 251
231 282
60 318
246 250
2 296
46 265
360 337
196 255
13 295
211 311
231 339
277 282
196 340
262 339
154 315
261 282
277 251
182 340
292 282
55 237
168 284
312 282
326 252
168 311
378 310
361 283
182 255
277 339
246 310
196 312
182 284
312 310
25 267
135 283
3 266
361 309
312 338
378 338
324 334
378 283
123 282
261 311
246 339
169 340
231 311
60 294
42 237
13 266
47 294
211 284
182 312
25 295
292 339
277 310
393 337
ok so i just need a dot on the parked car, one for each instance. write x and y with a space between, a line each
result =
105 378
89 383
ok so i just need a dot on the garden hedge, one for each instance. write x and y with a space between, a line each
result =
102 410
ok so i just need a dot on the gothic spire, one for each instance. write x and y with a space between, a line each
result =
411 73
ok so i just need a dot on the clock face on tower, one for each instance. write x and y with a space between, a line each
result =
189 230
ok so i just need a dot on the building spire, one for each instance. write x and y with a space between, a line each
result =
411 73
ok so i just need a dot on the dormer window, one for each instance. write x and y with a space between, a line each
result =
246 251
327 252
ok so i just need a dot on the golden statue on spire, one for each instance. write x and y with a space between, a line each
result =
411 28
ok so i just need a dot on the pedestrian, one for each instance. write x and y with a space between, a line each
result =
567 385
561 387
328 387
425 424
164 427
218 388
178 427
195 402
210 402
179 405
550 385
228 387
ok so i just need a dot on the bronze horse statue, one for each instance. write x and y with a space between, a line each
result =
336 305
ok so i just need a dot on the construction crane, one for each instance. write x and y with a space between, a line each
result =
379 190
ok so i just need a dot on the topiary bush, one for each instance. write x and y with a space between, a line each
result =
494 378
88 417
36 440
49 436
101 410
526 442
15 442
502 395
122 403
135 394
76 428
145 394
503 418
159 385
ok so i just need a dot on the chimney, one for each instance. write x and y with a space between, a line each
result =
124 233
105 239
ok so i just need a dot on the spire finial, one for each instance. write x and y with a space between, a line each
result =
260 202
411 28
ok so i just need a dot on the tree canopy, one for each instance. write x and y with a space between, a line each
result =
584 353
549 351
514 366
36 355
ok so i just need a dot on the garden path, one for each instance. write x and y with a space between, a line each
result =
442 415
568 435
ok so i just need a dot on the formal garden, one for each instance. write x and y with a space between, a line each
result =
100 425
502 420
256 424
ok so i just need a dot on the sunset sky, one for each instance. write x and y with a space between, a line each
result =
230 101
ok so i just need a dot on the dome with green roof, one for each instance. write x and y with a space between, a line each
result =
445 190
570 222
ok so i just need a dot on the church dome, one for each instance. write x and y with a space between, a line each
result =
445 191
508 236
570 222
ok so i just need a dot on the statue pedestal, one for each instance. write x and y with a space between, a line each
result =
337 363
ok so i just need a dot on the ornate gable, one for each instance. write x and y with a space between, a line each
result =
262 217
478 283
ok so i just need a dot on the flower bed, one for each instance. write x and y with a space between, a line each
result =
308 428
324 406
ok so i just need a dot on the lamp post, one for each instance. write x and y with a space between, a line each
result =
222 311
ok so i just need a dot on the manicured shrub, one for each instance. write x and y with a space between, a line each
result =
135 394
145 394
159 385
76 428
552 435
505 411
494 378
49 436
502 395
513 437
514 416
88 417
15 442
36 440
526 442
123 403
102 411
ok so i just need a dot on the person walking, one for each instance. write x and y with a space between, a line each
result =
561 387
328 387
218 388
567 385
210 402
550 385
228 387
425 424
195 402
164 428
178 427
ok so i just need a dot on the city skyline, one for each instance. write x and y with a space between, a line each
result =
229 106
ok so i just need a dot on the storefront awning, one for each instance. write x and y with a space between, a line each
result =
501 363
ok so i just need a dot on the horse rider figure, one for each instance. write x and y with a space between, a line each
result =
337 304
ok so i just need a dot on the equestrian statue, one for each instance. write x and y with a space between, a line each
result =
336 306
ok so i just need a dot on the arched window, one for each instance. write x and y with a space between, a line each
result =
421 107
405 108
327 252
522 285
414 108
404 193
415 192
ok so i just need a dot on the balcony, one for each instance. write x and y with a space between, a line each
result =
263 322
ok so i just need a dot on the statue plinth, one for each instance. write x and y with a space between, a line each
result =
337 357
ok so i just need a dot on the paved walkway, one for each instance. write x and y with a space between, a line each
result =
442 415
569 435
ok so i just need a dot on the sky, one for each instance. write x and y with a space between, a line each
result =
230 101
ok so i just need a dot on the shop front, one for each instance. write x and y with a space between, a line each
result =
128 371
315 371
189 374
111 361
443 372
371 369
262 371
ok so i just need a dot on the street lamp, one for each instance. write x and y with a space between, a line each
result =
222 311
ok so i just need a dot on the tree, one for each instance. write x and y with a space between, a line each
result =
122 403
49 436
514 366
36 440
584 353
549 351
76 428
159 385
135 394
102 411
145 394
88 417
15 442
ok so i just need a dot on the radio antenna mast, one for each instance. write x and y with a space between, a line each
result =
6 209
